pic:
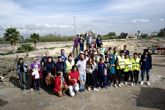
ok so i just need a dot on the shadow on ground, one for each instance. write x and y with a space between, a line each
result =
159 65
14 81
3 103
151 98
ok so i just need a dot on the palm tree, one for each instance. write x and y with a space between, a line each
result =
35 38
12 35
138 33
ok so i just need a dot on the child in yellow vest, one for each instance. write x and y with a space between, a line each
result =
127 68
136 67
120 67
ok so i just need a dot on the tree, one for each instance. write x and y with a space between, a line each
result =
144 35
112 34
35 38
138 35
12 35
161 33
123 35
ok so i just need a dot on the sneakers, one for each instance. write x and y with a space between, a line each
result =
131 84
115 85
148 83
142 82
89 89
95 89
119 85
125 83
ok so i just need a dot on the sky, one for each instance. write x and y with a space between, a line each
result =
100 16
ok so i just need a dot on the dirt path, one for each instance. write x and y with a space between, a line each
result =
125 98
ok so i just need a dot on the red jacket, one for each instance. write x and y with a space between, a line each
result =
58 84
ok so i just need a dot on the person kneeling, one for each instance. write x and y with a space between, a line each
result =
60 86
73 80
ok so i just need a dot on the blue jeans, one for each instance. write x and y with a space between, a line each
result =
82 81
144 71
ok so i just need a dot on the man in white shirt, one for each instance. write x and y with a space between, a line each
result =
82 70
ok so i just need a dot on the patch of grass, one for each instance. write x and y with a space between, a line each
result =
25 48
50 48
52 38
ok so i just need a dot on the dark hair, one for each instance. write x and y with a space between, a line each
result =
58 73
121 51
74 66
20 60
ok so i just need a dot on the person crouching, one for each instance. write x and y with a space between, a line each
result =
60 86
73 81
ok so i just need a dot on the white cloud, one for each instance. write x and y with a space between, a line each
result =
140 20
161 19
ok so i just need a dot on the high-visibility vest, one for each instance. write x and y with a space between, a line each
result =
136 64
128 65
69 65
115 54
120 62
102 51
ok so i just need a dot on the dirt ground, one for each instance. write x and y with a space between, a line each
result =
125 98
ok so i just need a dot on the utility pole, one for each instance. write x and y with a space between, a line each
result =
74 25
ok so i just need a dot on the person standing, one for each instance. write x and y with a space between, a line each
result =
102 73
82 70
136 67
43 64
98 41
112 70
146 66
81 43
127 68
75 45
35 73
120 67
22 73
125 50
90 69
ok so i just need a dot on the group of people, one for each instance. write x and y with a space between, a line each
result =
93 68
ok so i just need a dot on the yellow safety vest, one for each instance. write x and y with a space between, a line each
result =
68 66
136 64
120 63
128 65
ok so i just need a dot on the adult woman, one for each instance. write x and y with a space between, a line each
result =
146 66
90 68
21 70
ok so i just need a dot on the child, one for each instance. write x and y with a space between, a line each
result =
60 86
22 69
127 68
108 66
120 67
136 67
73 80
36 75
102 73
112 70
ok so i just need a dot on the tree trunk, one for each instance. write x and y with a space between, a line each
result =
13 47
35 45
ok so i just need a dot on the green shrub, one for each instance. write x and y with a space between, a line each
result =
52 38
25 48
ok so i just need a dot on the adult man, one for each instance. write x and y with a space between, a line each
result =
82 70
